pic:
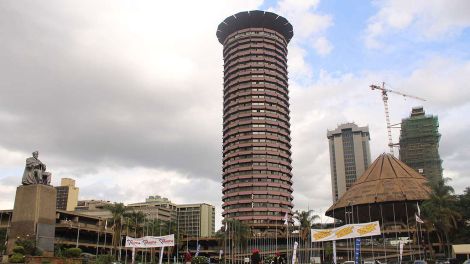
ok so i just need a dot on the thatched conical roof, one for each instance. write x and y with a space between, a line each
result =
386 180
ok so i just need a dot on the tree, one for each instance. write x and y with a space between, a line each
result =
463 203
136 221
440 209
305 219
118 211
237 232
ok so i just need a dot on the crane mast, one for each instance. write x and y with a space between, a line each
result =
387 115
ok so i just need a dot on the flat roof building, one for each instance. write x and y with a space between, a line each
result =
156 208
94 208
257 177
349 156
196 220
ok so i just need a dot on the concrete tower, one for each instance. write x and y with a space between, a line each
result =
257 178
349 156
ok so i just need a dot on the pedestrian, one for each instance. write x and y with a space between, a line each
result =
188 257
278 259
255 258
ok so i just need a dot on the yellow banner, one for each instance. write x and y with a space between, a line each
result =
346 231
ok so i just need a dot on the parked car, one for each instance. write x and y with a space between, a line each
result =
419 261
466 261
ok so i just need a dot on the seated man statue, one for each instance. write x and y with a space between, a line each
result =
35 171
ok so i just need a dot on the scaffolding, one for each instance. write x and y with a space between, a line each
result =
419 144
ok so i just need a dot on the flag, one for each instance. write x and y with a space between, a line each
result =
197 250
401 250
418 220
334 251
286 219
419 210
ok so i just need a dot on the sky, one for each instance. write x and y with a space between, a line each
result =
126 96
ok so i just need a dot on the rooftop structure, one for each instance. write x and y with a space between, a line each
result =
387 180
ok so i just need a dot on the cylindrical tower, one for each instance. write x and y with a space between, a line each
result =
257 178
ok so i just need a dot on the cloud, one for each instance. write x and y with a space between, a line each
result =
105 87
127 99
322 46
427 20
309 25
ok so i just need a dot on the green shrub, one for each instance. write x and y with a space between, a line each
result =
104 259
37 252
45 262
19 250
73 252
200 260
29 245
268 259
17 258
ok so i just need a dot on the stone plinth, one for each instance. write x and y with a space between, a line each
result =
34 216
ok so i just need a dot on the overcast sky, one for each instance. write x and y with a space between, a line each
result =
126 96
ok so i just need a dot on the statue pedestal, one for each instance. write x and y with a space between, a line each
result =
34 217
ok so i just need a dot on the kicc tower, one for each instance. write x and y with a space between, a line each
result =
257 178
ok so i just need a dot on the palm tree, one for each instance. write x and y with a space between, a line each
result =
237 234
118 211
136 222
305 219
439 209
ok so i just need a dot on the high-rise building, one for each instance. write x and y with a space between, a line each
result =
156 208
67 195
349 156
196 220
419 144
257 178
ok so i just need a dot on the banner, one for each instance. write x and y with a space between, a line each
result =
357 250
346 231
150 241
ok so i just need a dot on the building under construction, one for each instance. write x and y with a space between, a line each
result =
419 144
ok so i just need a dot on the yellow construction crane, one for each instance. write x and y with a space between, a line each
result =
387 116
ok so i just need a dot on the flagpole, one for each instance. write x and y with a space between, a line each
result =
98 241
105 234
287 249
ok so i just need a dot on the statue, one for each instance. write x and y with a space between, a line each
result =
35 171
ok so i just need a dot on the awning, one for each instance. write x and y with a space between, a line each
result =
461 249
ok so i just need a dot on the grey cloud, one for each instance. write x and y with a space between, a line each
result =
82 112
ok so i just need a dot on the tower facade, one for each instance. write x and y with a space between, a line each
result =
349 156
419 144
257 178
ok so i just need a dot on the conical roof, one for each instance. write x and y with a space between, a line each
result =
386 180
